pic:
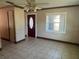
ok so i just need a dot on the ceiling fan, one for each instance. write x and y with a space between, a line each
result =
30 6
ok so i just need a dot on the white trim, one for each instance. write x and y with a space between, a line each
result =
56 13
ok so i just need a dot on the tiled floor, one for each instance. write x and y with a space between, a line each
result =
39 49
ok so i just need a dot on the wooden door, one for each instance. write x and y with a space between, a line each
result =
31 25
4 24
11 25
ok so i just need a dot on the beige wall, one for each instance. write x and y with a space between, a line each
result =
72 25
19 23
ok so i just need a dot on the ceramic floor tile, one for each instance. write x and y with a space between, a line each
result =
33 48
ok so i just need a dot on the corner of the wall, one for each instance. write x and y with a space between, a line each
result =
20 41
0 49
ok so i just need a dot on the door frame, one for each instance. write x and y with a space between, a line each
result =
26 23
14 40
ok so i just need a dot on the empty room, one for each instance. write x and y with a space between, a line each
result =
39 29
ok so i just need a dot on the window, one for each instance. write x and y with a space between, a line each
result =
31 22
55 22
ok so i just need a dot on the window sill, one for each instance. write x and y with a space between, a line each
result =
55 32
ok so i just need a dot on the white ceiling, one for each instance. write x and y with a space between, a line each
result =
56 3
52 3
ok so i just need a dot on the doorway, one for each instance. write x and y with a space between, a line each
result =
31 25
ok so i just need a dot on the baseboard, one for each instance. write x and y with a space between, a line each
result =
25 35
19 41
59 41
5 39
0 49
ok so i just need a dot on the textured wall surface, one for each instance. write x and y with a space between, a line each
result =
19 24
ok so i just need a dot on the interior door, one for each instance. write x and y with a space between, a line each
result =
11 25
31 25
4 24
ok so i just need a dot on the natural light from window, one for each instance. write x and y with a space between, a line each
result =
55 22
31 22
